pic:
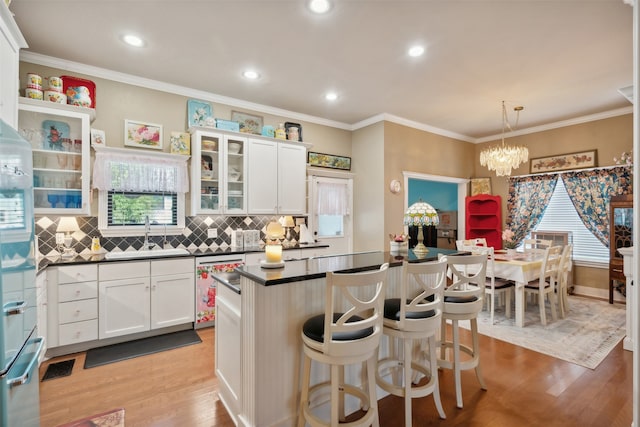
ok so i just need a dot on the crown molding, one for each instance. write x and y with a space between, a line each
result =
49 61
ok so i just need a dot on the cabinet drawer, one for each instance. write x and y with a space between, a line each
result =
77 291
123 270
77 311
162 267
72 333
77 273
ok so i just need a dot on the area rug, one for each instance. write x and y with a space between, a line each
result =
128 350
588 333
113 418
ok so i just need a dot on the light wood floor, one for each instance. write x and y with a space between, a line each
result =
525 388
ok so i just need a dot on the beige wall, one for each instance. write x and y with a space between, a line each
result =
412 150
610 137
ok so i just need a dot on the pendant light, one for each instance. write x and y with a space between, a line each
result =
503 158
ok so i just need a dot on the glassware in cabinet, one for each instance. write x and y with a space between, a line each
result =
59 136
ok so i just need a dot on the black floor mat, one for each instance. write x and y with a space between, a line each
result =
59 369
128 350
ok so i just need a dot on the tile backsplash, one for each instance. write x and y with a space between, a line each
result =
194 235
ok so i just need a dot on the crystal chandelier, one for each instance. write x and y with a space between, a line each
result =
502 158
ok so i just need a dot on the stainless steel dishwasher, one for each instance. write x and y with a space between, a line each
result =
206 267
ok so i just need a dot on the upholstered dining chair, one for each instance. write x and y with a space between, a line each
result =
530 245
544 286
562 280
463 301
347 333
412 319
478 241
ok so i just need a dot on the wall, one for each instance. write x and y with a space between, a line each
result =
413 150
610 137
443 196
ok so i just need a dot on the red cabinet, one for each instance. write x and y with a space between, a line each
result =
484 219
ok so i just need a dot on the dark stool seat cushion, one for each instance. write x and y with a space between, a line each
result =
392 311
314 329
546 285
502 285
460 300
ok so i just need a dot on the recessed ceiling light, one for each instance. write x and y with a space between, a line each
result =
319 6
416 51
250 74
132 40
331 96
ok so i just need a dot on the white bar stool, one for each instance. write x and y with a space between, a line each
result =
348 332
410 320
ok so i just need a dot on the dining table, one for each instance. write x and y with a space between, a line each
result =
521 267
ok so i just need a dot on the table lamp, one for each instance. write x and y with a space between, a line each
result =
288 224
273 248
419 214
68 225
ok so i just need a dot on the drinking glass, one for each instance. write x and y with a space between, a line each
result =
53 199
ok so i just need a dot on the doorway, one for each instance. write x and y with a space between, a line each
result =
330 212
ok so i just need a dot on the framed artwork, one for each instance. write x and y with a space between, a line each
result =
329 161
249 123
142 135
199 113
288 125
480 186
180 143
579 160
98 137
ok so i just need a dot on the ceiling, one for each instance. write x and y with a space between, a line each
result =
560 59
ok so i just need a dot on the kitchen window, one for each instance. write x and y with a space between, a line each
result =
136 185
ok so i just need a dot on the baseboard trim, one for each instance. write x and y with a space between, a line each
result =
598 293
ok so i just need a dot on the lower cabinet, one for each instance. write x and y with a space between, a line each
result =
138 296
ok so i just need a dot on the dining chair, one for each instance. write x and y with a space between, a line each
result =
536 244
495 287
544 286
463 301
562 282
479 241
412 319
347 333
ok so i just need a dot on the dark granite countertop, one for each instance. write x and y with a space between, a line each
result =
93 258
315 268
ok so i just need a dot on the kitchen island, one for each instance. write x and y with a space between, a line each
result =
259 320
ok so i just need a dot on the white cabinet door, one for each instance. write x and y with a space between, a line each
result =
11 41
229 347
124 307
292 184
172 298
263 177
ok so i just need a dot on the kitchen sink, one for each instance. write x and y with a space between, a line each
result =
148 253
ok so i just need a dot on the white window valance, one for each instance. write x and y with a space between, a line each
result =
128 170
332 198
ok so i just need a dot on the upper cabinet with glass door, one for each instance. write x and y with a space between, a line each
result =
218 166
59 135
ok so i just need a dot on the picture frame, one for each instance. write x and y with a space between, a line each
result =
480 186
330 161
142 135
98 137
199 113
288 125
180 143
249 123
577 160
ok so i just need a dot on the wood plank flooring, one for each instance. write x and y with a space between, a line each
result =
525 388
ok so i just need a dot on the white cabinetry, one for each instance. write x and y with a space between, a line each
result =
41 304
72 309
11 41
277 177
139 296
218 173
59 135
228 337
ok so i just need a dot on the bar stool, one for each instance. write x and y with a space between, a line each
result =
348 332
410 319
463 301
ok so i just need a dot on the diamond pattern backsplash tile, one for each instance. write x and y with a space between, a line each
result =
193 236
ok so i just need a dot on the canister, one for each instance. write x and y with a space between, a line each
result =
34 79
55 84
280 132
292 134
33 93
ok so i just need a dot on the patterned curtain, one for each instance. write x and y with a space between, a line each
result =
590 192
528 199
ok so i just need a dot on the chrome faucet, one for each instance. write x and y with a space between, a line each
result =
147 229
